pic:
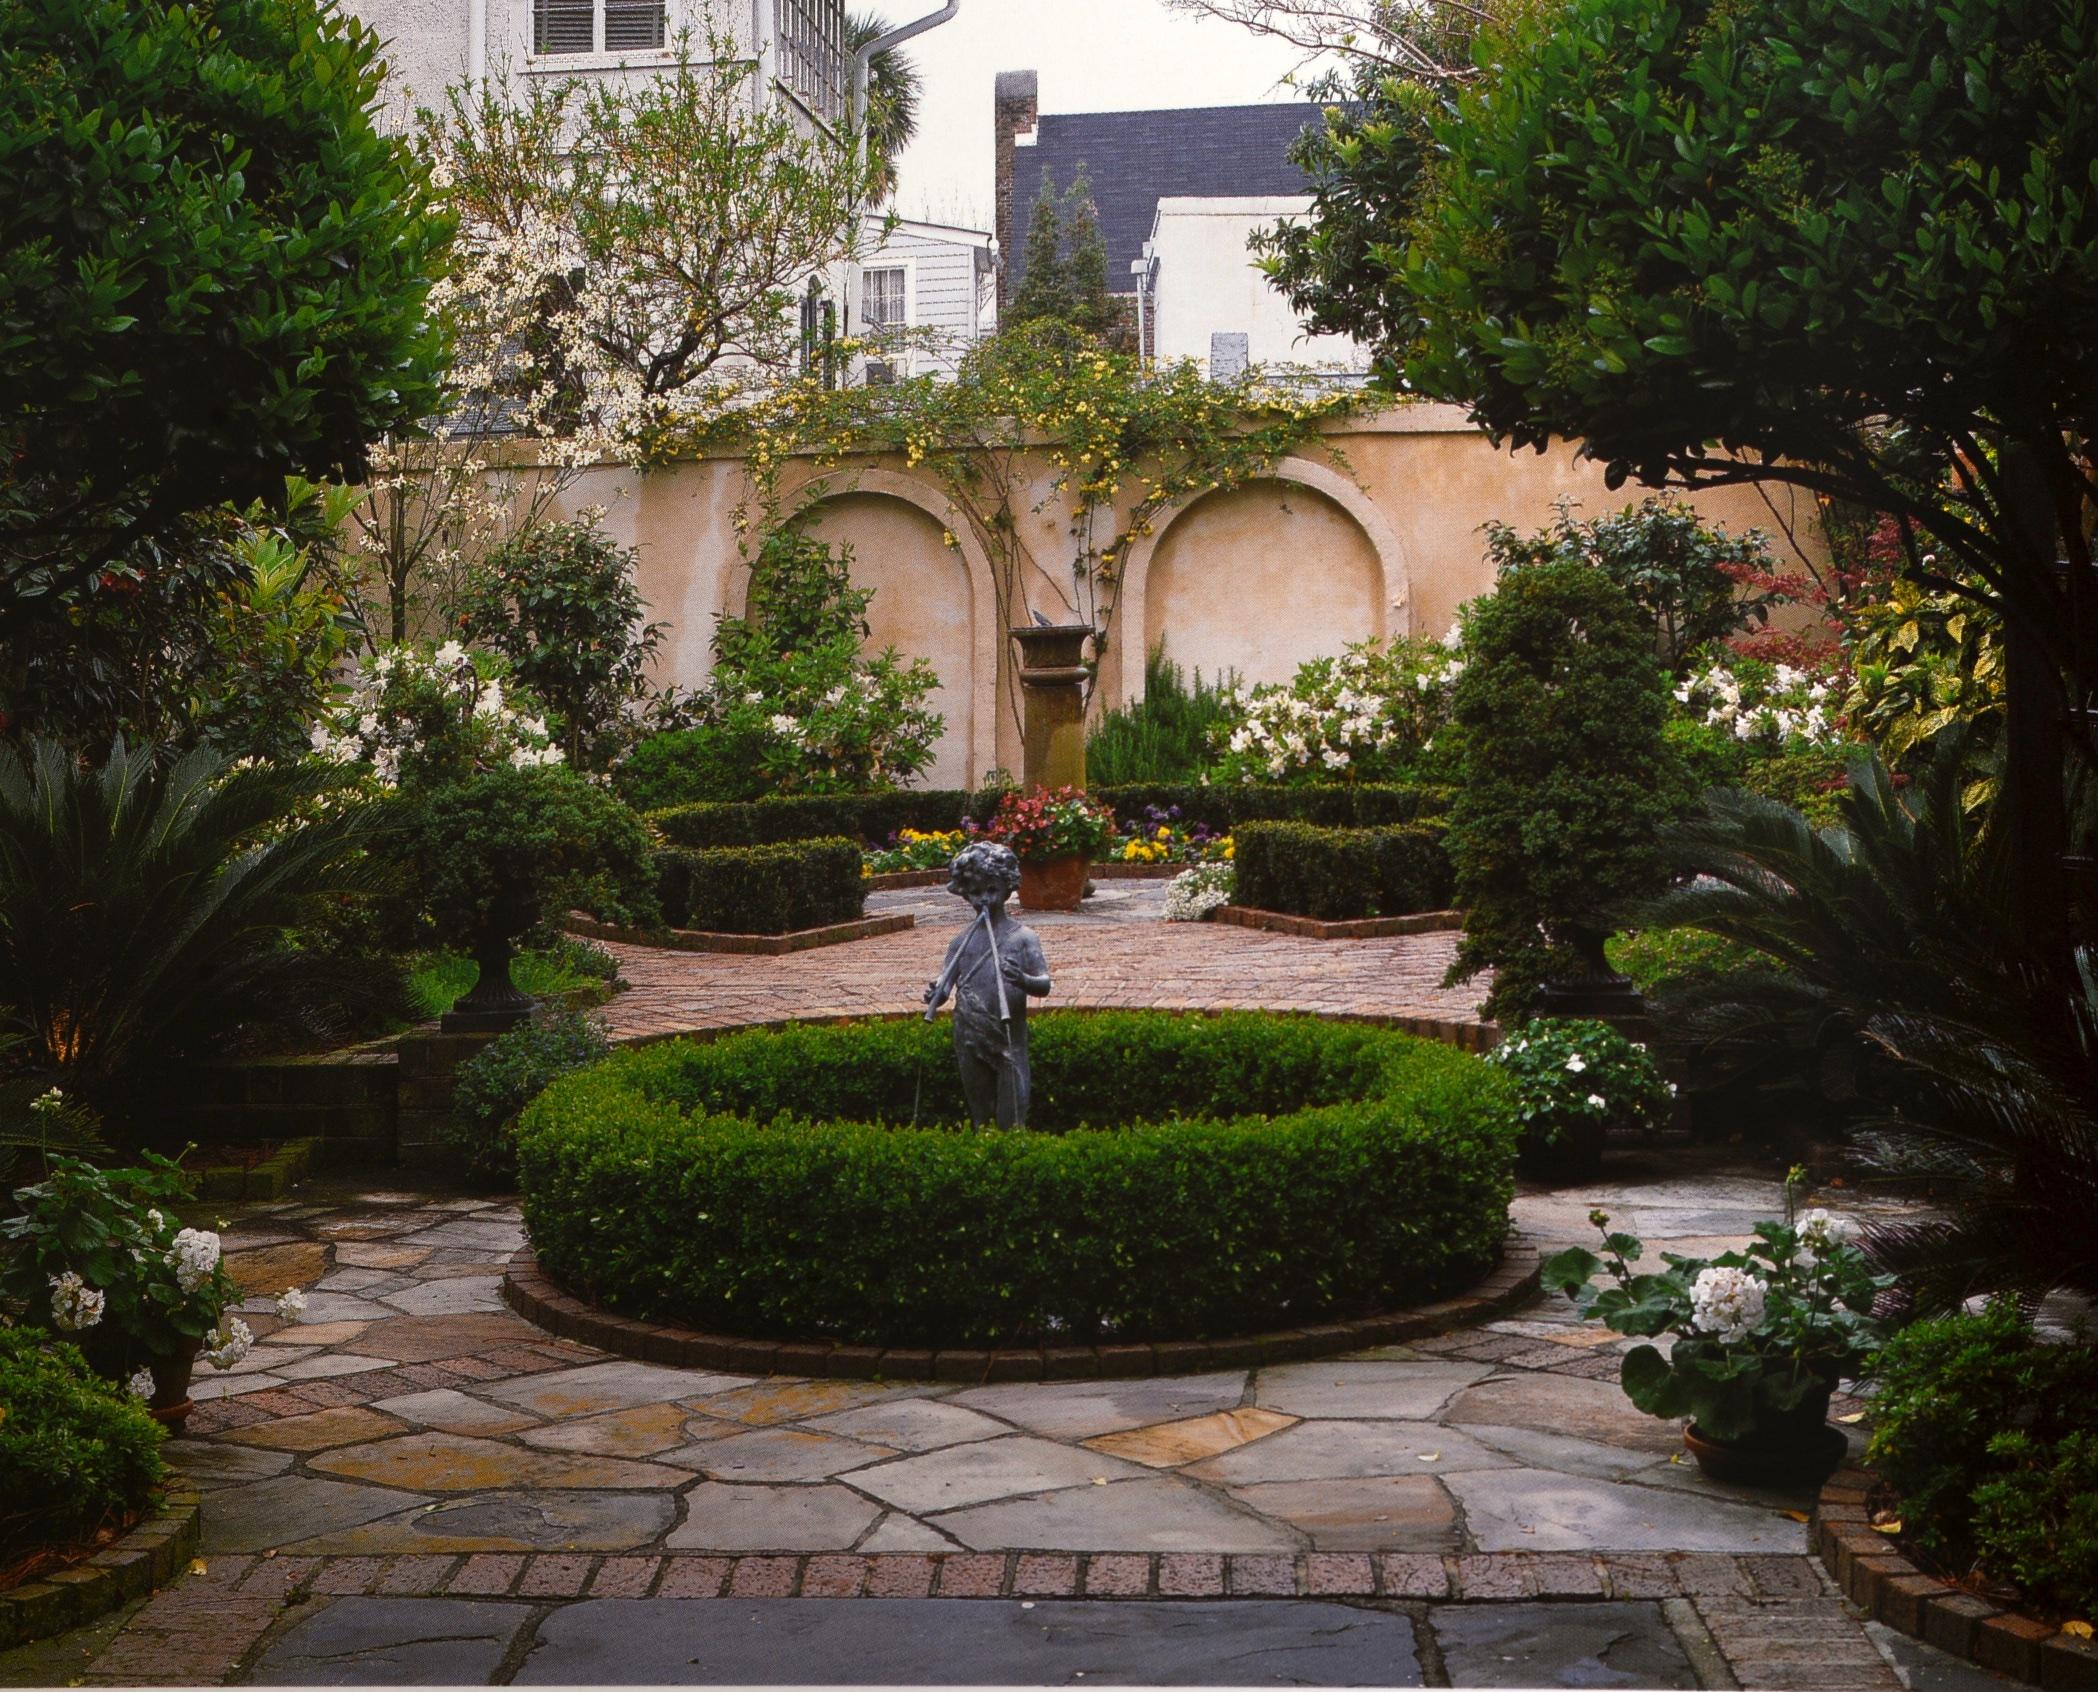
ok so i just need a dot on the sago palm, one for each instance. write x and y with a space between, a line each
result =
147 912
1964 1061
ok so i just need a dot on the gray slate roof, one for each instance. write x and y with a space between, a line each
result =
1137 159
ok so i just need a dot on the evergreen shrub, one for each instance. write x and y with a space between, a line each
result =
75 1449
1182 1177
776 889
1340 874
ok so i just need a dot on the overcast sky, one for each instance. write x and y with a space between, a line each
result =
1092 55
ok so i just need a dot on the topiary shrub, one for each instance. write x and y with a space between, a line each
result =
1566 781
780 889
1184 1176
1339 874
75 1450
507 1074
1989 1438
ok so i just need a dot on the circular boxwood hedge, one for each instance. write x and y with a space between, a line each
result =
1186 1177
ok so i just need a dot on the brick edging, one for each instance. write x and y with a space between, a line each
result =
534 1295
1358 928
1433 1577
1888 1586
149 1556
746 945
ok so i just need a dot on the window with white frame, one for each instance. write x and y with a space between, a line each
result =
885 299
812 53
597 26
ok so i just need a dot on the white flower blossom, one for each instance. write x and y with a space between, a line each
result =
74 1304
227 1344
291 1304
1575 1063
141 1385
1596 1101
193 1257
1727 1303
1823 1231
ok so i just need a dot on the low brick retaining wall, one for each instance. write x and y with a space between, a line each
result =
1873 1573
1356 928
533 1294
149 1556
747 945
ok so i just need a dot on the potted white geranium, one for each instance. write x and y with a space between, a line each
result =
1761 1337
99 1258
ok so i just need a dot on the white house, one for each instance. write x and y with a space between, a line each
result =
1201 289
432 45
1179 194
929 290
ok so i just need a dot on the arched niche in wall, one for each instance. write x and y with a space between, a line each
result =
1257 579
931 601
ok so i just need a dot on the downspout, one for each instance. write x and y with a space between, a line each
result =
866 56
477 43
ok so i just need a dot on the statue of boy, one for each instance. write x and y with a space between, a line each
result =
993 968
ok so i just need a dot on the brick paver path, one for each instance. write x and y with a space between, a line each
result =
1114 953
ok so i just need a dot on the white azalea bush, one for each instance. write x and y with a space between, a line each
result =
1770 707
1193 895
1370 715
97 1257
1571 1075
1760 1337
440 714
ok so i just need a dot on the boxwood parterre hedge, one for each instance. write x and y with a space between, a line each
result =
1340 874
773 889
876 818
1186 1177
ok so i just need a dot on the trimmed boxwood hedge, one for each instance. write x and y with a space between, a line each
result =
778 889
1340 874
1186 1177
876 818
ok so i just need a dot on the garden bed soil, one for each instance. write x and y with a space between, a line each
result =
534 1295
1882 1578
1359 928
748 945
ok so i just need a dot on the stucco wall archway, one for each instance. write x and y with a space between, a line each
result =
1257 579
931 600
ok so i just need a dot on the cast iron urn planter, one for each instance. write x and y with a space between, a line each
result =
494 1004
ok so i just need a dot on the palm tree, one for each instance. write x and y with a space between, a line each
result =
892 97
147 912
1889 953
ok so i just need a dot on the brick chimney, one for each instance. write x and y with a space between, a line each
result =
1018 108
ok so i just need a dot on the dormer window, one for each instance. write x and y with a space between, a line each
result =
561 27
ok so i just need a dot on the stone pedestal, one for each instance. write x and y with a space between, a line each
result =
429 1065
1053 680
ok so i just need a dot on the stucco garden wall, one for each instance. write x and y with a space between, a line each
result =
1378 536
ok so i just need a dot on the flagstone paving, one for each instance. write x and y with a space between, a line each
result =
449 1492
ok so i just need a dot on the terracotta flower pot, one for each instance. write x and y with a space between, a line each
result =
171 1404
1803 1449
1053 884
